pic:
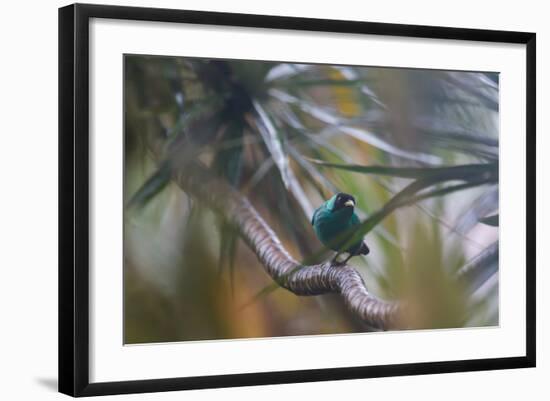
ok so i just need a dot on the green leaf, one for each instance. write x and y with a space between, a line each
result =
228 249
228 157
264 292
153 186
207 109
274 144
474 273
379 142
489 170
269 134
484 205
409 195
317 179
336 124
286 70
445 191
490 220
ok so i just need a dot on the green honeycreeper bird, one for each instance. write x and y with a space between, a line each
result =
332 220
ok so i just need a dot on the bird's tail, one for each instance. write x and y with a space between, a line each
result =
364 250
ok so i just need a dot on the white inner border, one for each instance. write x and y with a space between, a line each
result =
111 361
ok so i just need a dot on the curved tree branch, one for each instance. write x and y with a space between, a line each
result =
279 264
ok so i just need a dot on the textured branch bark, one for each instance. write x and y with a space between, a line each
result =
278 263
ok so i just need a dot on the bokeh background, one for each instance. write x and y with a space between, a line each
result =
288 136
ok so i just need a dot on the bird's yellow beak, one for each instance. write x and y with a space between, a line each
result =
349 202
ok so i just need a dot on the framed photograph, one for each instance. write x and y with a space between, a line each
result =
251 199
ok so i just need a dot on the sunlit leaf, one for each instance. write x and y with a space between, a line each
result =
318 112
284 70
345 97
336 124
351 75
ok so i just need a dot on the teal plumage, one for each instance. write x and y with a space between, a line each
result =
333 219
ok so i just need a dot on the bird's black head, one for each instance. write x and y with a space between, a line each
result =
342 201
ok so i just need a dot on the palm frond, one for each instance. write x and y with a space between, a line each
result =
150 188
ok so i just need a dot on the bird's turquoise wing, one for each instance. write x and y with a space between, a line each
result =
355 220
314 214
357 247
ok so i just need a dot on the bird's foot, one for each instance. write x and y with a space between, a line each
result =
336 262
348 258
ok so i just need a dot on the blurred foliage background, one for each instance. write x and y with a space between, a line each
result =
288 136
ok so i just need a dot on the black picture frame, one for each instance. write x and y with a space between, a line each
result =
74 198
